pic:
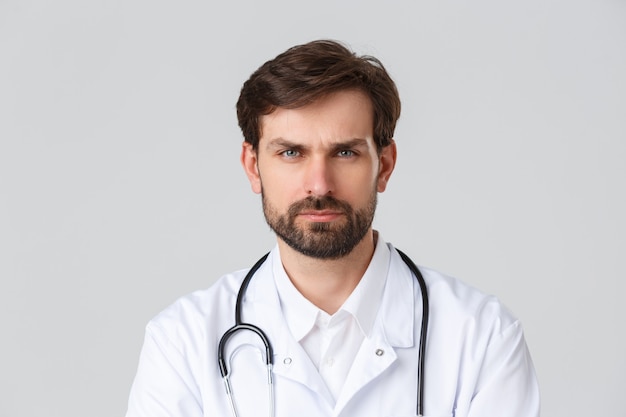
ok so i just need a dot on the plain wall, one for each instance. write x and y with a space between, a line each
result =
121 190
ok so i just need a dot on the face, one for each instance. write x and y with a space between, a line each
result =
319 172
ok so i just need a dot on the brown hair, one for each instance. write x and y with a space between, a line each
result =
305 73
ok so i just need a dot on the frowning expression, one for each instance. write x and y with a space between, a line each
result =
319 172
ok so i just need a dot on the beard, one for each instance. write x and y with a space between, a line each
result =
322 240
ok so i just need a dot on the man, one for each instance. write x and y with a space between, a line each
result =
338 306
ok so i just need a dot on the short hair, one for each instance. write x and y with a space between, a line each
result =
305 73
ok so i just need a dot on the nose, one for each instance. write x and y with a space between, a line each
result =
319 179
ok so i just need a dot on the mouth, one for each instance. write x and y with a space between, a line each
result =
320 216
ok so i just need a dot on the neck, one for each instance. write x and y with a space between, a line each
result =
327 283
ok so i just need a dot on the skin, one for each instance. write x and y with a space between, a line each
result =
323 149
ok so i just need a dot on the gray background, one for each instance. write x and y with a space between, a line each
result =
121 190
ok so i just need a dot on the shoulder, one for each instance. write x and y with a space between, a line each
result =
465 308
192 314
210 311
457 302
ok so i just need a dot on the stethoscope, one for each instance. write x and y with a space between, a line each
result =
269 353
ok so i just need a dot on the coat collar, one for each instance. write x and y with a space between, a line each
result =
393 327
397 311
395 321
363 304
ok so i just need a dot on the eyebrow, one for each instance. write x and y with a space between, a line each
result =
336 146
283 143
348 144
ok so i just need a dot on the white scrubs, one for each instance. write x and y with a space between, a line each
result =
477 362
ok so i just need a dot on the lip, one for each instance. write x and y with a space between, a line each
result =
320 216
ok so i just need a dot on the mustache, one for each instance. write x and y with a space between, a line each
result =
318 203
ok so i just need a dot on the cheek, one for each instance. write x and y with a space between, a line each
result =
279 191
358 180
358 189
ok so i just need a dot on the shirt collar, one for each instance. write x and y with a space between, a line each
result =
363 304
299 313
365 300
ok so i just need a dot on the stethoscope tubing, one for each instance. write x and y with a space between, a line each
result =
269 354
239 325
423 331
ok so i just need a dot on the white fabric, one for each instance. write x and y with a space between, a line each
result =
332 342
477 363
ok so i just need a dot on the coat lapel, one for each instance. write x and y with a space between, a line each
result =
394 328
290 360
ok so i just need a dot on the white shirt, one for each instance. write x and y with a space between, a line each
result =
332 342
477 363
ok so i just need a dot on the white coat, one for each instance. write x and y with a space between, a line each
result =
477 363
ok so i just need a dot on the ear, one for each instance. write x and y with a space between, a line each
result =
387 160
249 161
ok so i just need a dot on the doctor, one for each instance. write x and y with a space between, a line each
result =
340 308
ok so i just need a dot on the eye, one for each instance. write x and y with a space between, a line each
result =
290 153
346 153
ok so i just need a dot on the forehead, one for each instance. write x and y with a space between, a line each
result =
342 115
